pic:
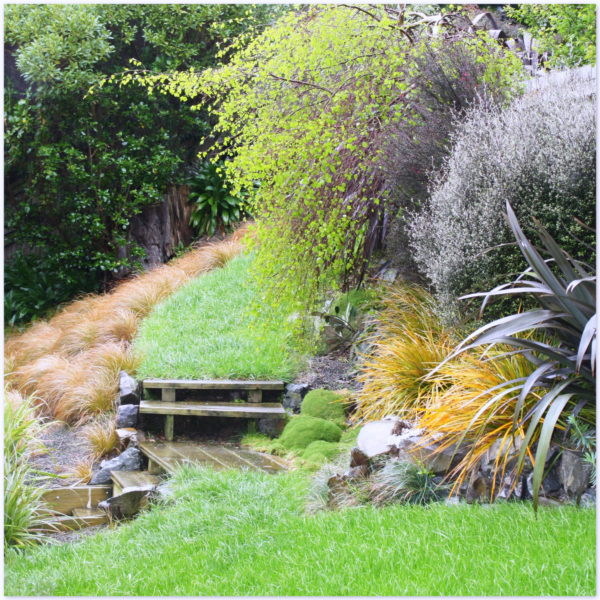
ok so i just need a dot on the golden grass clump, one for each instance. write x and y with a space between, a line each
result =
410 340
102 436
72 362
83 470
467 412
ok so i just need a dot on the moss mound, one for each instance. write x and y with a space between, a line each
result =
324 404
303 430
320 451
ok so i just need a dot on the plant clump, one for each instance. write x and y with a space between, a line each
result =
320 451
324 404
302 430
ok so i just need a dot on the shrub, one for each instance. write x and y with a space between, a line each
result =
303 430
324 404
102 436
405 482
320 451
561 381
409 340
538 154
23 488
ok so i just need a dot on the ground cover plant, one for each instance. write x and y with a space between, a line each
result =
207 330
246 533
72 362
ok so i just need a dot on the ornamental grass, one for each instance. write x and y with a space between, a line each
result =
71 363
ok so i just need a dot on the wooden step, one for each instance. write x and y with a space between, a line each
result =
63 500
81 517
213 384
168 456
126 480
263 410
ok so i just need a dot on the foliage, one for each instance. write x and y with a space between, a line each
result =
73 184
540 155
206 330
324 404
304 109
72 362
102 436
214 207
408 341
405 482
475 406
319 451
566 31
33 290
302 430
583 436
233 533
23 486
565 291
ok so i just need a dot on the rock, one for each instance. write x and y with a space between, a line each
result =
588 498
374 437
130 460
359 472
574 473
128 389
129 436
358 458
479 488
340 493
271 427
127 504
452 501
294 393
390 275
551 486
127 416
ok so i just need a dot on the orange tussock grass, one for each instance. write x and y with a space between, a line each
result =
83 470
408 343
72 362
102 436
466 413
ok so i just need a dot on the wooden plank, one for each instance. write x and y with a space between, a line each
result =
124 480
213 384
255 396
70 523
64 500
213 409
173 455
167 395
169 427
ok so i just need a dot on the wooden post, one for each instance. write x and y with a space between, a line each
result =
254 395
168 395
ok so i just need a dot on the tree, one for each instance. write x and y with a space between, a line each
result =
78 167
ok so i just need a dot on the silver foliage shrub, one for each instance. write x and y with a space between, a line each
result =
539 154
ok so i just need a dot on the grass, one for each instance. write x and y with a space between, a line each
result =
206 330
246 533
72 362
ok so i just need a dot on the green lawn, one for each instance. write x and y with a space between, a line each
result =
239 533
205 330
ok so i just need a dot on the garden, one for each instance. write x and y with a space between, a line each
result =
300 300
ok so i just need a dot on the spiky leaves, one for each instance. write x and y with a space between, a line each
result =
564 378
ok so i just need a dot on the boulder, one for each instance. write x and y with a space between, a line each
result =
574 473
358 472
127 504
294 393
130 436
128 389
127 416
130 460
374 438
358 458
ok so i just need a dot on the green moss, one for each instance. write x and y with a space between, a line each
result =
320 451
324 404
263 443
303 430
